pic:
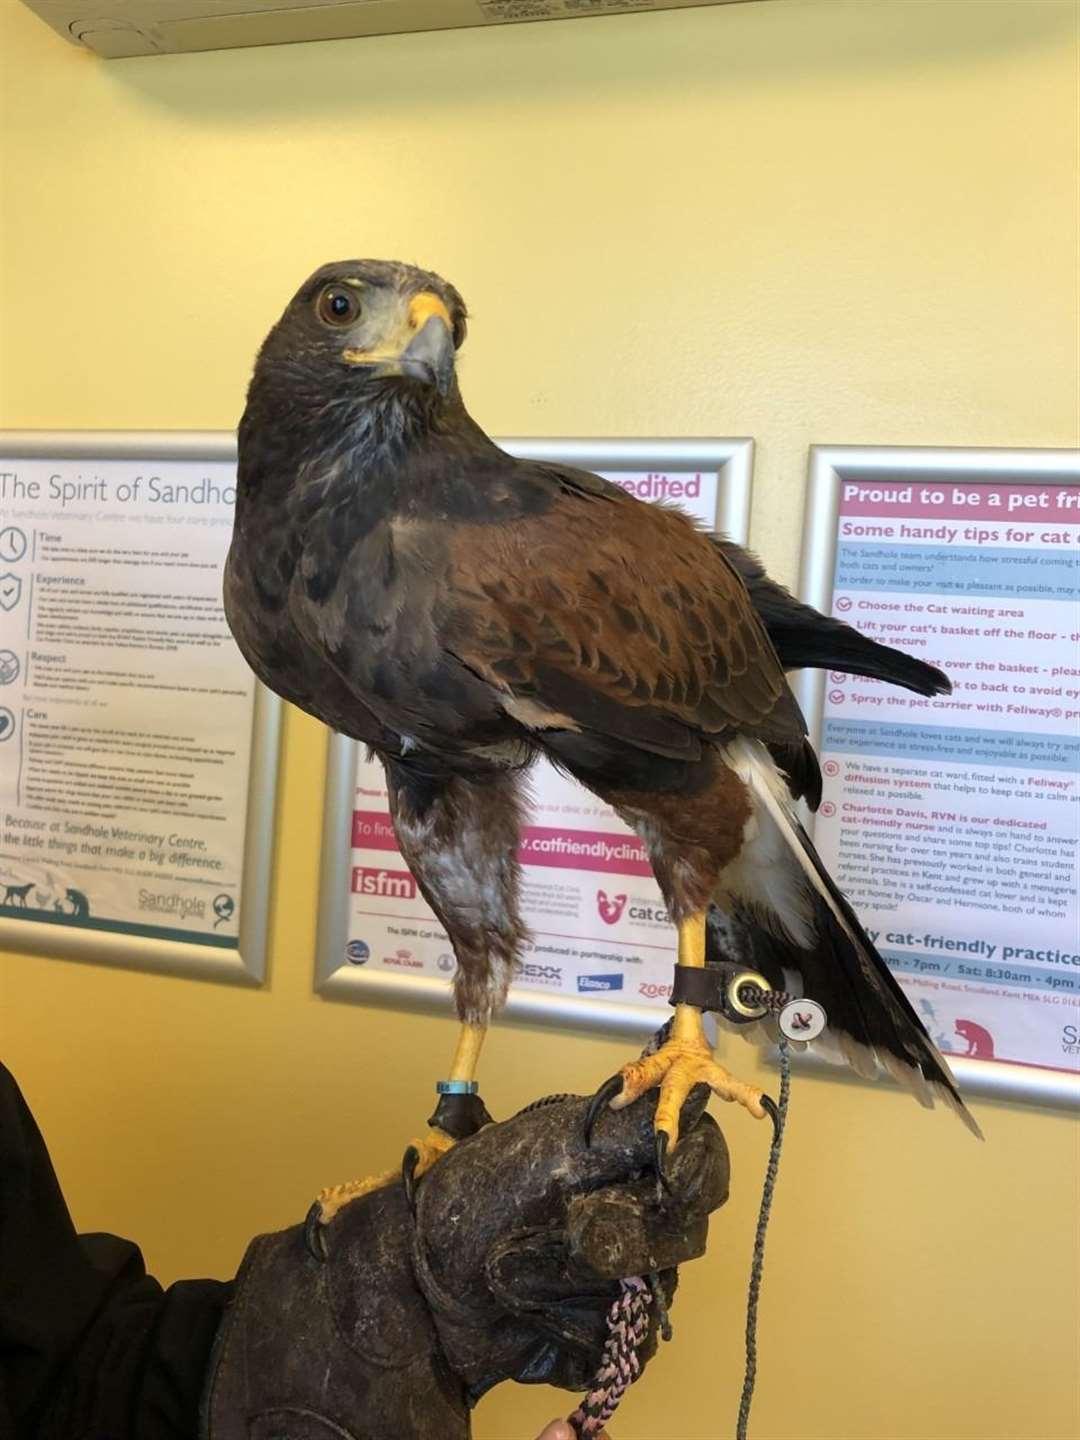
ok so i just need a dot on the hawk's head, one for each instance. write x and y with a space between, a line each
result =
363 330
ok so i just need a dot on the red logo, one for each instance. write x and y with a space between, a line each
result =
980 1043
404 958
394 884
610 910
652 991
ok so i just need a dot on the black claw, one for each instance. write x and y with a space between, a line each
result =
663 1139
600 1101
768 1104
409 1162
314 1238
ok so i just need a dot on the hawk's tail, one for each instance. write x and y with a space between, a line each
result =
797 929
807 640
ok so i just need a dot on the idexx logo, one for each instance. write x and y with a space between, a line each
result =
542 974
610 909
1070 1039
358 952
599 982
397 884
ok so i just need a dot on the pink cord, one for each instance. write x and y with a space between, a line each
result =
628 1325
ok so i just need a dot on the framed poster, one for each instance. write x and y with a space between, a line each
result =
602 947
953 822
138 756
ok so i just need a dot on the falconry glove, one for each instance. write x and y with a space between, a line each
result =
506 1270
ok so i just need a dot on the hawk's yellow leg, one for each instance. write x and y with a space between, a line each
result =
429 1147
685 1059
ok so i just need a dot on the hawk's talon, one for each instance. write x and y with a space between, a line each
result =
314 1239
675 1069
768 1104
663 1139
420 1156
409 1161
600 1101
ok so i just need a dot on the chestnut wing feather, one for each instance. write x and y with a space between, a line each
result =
623 618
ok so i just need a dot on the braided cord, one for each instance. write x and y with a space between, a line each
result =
774 1000
628 1318
756 1267
628 1326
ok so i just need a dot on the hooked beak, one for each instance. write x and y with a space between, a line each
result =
430 356
423 349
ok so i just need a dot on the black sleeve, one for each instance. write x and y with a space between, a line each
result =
90 1345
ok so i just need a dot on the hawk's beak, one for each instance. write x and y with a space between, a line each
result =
423 349
430 354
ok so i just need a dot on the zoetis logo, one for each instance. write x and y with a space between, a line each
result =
610 908
397 884
652 991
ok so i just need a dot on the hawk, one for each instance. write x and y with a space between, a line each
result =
462 612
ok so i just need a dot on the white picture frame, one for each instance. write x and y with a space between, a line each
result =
830 467
244 960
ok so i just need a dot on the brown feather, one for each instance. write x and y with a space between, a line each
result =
701 660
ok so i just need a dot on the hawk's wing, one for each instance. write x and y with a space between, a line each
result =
617 617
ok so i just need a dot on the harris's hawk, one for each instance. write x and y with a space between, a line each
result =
396 574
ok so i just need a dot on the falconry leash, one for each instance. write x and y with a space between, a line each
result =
742 997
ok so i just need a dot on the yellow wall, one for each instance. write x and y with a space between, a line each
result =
837 222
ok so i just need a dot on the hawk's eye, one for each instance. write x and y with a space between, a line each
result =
338 306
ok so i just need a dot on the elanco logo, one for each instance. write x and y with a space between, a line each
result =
610 909
397 884
586 983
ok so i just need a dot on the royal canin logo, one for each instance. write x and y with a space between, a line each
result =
404 958
395 884
610 908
